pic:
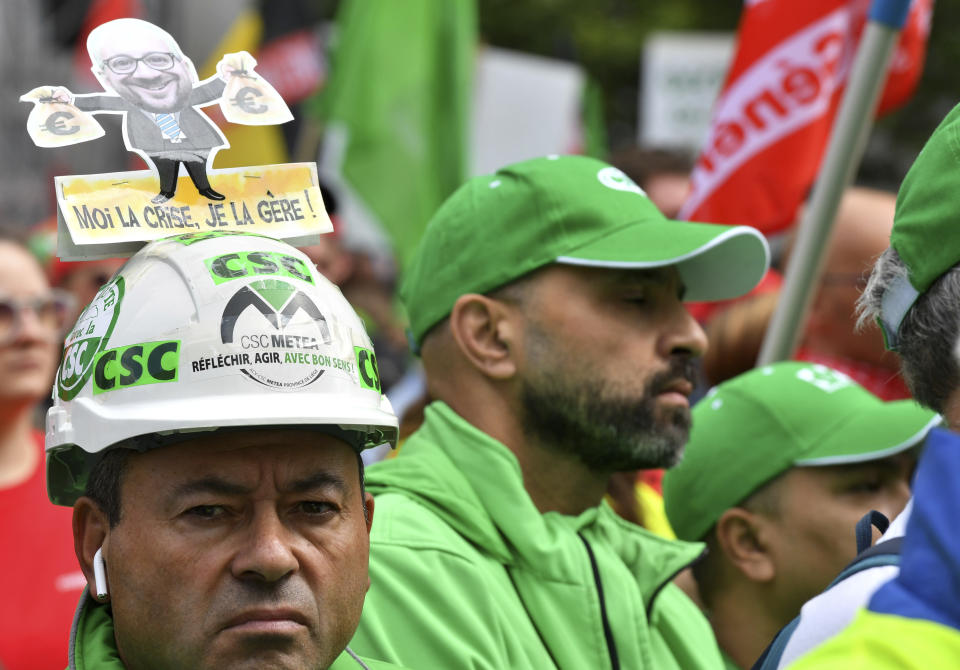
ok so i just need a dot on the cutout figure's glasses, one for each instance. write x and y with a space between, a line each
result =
51 310
157 60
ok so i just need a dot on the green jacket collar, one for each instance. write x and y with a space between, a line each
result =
474 484
92 645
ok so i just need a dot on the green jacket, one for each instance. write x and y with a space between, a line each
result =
92 645
466 573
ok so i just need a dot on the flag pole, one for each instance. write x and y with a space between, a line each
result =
847 142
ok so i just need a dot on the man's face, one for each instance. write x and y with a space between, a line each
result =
151 89
607 367
817 509
240 550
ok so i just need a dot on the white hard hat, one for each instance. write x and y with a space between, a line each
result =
208 331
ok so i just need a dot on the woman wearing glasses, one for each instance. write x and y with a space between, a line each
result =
39 580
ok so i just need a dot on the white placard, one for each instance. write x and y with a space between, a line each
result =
682 75
523 107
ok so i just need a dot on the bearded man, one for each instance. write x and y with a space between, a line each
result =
546 303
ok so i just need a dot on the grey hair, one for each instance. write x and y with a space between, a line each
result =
929 334
103 34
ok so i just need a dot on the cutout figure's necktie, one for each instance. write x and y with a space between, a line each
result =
168 126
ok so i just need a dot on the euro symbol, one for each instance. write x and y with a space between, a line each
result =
56 124
244 99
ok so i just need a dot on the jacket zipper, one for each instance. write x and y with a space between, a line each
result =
607 632
663 584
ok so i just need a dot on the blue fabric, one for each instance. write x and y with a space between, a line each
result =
890 12
928 586
770 658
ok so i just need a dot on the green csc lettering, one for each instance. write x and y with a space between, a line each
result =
256 263
136 365
367 369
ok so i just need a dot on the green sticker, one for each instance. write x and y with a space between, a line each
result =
88 338
241 264
187 239
136 365
367 368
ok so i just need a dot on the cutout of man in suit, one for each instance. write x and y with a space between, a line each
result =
157 90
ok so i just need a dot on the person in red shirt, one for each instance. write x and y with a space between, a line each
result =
40 580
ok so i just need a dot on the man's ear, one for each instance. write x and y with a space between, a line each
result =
485 332
91 530
741 537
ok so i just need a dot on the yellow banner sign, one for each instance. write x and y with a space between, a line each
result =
107 214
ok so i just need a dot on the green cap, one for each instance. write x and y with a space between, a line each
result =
925 230
566 209
753 427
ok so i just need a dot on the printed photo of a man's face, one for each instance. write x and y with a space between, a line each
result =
144 69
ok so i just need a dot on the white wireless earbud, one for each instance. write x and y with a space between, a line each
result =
100 575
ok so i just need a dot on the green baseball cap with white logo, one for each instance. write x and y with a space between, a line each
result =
760 424
925 231
566 209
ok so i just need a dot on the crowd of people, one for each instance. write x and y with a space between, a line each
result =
594 476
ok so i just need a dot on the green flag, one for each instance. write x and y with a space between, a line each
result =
396 113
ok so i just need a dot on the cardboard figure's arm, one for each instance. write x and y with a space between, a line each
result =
55 121
208 91
95 102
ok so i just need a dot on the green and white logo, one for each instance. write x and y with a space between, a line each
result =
88 338
278 336
614 178
824 378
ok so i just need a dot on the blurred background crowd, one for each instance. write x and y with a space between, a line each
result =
399 103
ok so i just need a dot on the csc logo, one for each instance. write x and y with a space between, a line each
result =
73 361
254 263
367 367
135 365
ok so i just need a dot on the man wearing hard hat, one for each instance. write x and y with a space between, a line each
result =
209 413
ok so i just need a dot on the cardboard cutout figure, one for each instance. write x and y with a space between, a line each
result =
147 78
155 86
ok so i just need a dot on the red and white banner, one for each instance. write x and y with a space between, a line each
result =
294 63
771 122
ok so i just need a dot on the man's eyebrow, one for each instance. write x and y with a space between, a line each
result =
318 480
659 276
211 484
654 275
220 486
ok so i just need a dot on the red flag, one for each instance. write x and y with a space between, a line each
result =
772 120
294 64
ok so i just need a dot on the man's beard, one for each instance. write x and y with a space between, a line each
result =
606 430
